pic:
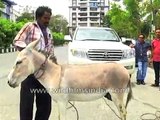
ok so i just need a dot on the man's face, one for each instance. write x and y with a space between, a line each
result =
141 38
158 33
44 20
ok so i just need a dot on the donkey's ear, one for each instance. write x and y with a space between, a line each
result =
33 45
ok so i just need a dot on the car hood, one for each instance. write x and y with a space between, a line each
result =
98 45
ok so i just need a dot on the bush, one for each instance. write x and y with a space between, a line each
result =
8 31
58 38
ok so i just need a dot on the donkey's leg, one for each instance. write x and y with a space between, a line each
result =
62 109
117 98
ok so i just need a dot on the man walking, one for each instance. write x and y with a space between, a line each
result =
141 48
31 31
155 57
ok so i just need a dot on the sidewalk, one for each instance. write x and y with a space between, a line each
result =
94 110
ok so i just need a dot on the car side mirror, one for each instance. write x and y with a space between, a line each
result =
123 40
67 37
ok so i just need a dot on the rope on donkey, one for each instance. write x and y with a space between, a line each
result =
72 105
151 116
112 109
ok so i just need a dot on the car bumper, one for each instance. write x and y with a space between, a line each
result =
129 64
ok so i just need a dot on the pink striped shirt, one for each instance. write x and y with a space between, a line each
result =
30 32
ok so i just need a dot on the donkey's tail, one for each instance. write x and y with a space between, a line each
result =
130 94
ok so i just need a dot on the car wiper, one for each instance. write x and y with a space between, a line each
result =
112 40
90 40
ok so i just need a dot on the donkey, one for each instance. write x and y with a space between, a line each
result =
73 82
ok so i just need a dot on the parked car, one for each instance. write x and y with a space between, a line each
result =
99 44
128 41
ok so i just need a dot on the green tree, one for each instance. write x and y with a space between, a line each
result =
119 20
151 16
153 7
1 6
59 24
134 19
107 21
8 31
25 17
58 38
132 7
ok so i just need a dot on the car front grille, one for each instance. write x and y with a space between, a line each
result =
104 55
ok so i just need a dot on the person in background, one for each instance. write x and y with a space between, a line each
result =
155 56
31 31
141 48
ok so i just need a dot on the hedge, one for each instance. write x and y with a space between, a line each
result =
58 38
9 29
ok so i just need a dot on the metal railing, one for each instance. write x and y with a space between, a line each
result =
7 50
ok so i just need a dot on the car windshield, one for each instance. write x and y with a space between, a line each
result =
85 34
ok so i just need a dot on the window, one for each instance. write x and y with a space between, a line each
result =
7 9
94 14
83 9
83 19
93 9
96 34
83 14
93 19
93 4
73 8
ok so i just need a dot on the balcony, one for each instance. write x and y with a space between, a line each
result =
83 1
81 12
82 24
83 5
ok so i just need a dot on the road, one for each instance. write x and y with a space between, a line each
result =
95 110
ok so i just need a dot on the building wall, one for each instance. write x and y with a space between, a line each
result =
14 15
87 12
8 12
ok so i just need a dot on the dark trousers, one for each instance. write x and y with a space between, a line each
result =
156 66
43 100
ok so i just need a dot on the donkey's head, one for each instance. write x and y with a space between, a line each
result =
23 66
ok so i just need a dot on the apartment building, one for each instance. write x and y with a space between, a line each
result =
87 12
8 12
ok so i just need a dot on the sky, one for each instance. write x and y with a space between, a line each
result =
57 6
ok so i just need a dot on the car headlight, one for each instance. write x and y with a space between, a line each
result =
128 54
79 53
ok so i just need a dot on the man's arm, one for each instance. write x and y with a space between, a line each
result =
51 52
19 40
151 55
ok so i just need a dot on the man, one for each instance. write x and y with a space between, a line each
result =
31 31
155 56
141 48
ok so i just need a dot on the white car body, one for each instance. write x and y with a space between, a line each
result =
88 51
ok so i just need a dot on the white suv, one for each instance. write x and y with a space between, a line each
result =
99 44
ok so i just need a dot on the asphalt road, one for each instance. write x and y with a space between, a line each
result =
95 110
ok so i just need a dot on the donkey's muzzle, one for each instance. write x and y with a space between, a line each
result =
11 85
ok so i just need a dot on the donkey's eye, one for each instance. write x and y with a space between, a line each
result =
18 62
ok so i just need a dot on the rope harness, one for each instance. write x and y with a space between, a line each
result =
42 68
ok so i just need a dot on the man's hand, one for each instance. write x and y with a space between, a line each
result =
131 45
20 45
150 60
53 58
19 48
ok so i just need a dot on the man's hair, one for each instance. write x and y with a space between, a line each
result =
158 28
142 35
41 10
